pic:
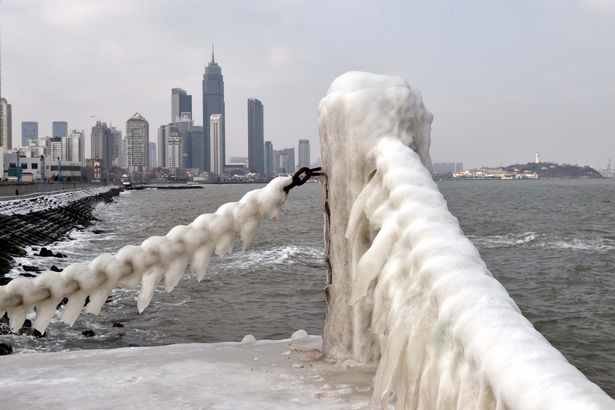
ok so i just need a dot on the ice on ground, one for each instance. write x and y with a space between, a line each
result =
185 376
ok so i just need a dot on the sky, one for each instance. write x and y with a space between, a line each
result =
504 79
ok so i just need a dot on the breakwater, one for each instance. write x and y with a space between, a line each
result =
44 219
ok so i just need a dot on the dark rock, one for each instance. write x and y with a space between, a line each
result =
59 255
29 268
27 275
88 333
27 324
62 303
4 280
44 252
54 268
117 324
38 334
5 349
97 231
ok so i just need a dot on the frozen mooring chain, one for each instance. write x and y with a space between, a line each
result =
158 259
449 335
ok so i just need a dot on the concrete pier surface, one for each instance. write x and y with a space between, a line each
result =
281 374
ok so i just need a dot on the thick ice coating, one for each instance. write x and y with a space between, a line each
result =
159 259
407 289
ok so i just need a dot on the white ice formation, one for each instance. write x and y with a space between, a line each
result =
158 259
407 289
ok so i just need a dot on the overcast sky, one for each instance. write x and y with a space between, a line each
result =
504 79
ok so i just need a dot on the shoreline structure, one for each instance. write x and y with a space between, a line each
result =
45 218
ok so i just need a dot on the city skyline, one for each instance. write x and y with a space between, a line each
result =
539 92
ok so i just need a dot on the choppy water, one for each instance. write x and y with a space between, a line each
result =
551 243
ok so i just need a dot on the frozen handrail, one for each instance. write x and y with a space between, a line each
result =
408 290
157 259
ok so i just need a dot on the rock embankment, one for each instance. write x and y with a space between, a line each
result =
40 227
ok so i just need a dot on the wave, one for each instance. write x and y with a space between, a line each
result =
280 255
533 240
503 241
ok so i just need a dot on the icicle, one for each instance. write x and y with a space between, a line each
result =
200 261
149 282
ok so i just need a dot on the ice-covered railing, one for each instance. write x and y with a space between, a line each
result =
407 289
158 259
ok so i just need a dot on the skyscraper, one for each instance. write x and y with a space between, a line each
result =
217 142
59 129
152 155
73 145
29 132
116 146
161 144
256 138
174 148
284 161
269 159
181 104
196 138
213 103
304 153
137 143
102 146
6 124
183 126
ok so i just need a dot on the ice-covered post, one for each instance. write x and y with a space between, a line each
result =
407 290
358 110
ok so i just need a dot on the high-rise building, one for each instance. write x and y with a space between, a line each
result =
152 155
59 129
55 149
174 148
196 136
137 143
102 147
256 137
181 104
284 161
116 147
217 143
161 144
6 124
184 125
29 133
74 146
213 103
269 159
304 153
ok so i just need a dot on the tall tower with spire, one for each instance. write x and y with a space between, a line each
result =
213 103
